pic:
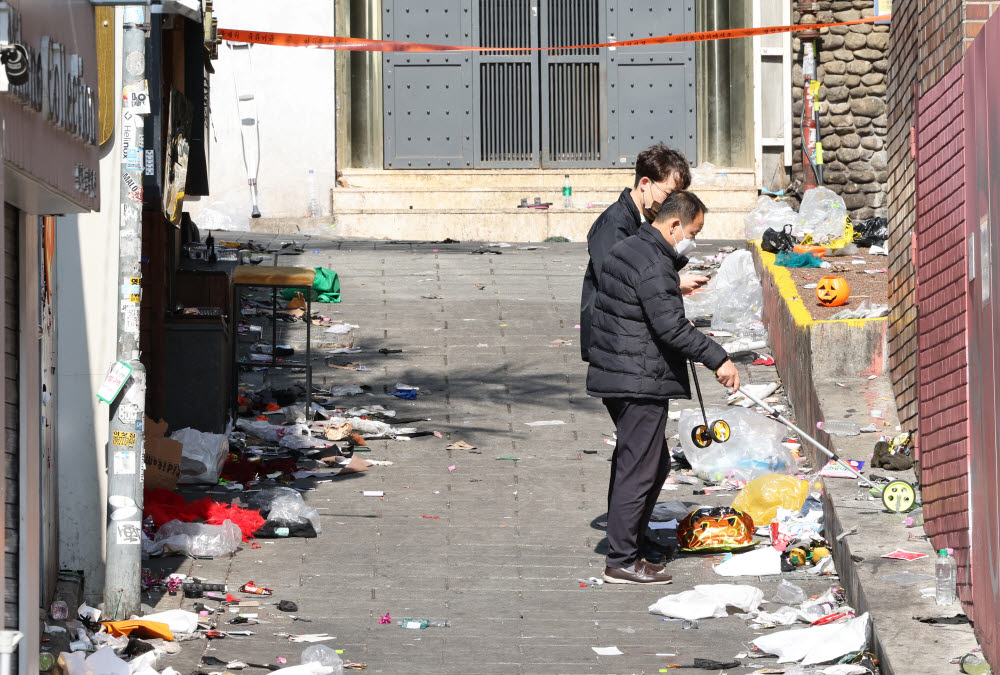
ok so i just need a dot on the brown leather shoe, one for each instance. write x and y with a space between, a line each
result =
641 572
655 567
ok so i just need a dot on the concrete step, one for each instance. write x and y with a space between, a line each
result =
510 225
491 198
581 179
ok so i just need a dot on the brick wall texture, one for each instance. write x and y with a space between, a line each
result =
942 295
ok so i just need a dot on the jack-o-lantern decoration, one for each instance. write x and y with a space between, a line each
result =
715 529
832 291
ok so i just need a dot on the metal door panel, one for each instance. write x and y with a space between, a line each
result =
651 95
505 98
427 98
574 107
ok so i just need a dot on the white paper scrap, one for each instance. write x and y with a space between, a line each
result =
608 651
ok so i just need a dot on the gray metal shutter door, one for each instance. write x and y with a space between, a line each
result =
427 97
10 415
574 107
651 95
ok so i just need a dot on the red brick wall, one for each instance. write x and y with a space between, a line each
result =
942 329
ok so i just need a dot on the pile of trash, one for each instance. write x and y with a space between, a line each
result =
821 219
734 298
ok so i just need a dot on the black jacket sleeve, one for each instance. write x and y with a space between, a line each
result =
662 303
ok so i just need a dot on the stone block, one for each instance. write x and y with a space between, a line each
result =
834 68
850 155
880 160
841 121
872 187
877 90
847 15
824 17
875 199
851 189
880 122
851 141
840 108
844 55
872 143
796 93
825 57
855 201
859 165
879 41
868 107
854 40
861 122
834 80
797 108
859 67
852 81
864 213
881 176
860 4
832 41
869 54
797 72
872 78
841 5
834 165
834 177
837 94
840 30
862 28
844 131
832 142
859 91
881 66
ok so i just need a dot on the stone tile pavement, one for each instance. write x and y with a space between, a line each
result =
503 559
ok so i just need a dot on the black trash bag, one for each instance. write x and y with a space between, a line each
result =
871 232
778 242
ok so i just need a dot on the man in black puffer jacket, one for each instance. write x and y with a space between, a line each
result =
640 345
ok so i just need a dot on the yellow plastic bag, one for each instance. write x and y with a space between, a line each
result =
762 497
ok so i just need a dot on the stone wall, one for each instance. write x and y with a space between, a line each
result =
852 71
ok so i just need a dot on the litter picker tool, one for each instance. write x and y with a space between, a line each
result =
703 434
898 496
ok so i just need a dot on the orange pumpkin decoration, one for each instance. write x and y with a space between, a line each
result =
832 291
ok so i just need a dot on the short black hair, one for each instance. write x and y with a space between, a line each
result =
657 162
681 204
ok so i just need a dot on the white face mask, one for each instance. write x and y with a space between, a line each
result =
684 246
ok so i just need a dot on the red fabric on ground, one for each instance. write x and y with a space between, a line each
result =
163 506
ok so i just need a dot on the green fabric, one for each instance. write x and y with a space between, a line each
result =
797 260
325 288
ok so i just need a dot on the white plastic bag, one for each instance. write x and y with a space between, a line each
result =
733 298
822 214
197 539
818 644
755 447
291 508
768 213
178 620
202 456
789 594
761 562
709 600
323 656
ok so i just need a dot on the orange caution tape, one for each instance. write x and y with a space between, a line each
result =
358 45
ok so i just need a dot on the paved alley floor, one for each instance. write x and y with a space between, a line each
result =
493 544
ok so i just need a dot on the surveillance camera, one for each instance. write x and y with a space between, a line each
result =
15 62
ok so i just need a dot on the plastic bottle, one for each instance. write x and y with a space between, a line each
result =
914 518
423 623
314 210
840 428
567 194
210 245
58 610
46 661
946 569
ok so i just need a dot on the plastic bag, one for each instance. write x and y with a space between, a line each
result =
762 497
202 456
287 514
198 539
817 644
871 232
708 601
764 561
733 298
261 501
292 509
664 512
863 311
823 215
324 656
789 594
776 241
754 449
769 213
178 620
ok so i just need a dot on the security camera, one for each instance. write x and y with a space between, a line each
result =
15 63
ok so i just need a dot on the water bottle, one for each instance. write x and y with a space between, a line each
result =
567 194
840 428
914 518
314 210
946 570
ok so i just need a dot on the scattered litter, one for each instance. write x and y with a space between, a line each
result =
762 497
373 493
608 651
384 619
817 644
460 445
341 328
287 606
545 423
754 449
762 562
834 469
789 594
708 601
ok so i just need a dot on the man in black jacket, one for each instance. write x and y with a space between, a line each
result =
641 343
658 172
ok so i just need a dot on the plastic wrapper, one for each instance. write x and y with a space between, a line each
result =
768 213
762 497
759 563
871 232
261 501
178 620
733 298
817 644
708 601
287 514
754 449
789 594
197 539
822 214
863 311
202 456
293 509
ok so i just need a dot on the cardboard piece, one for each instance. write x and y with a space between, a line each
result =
163 457
356 465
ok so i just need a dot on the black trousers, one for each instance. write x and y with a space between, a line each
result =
639 466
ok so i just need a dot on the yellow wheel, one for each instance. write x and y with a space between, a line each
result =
700 436
899 496
720 431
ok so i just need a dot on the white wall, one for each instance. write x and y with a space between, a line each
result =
86 313
294 92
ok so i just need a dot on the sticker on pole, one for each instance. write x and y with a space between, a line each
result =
136 97
124 463
113 383
124 439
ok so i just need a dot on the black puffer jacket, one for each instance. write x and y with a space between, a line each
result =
620 220
640 339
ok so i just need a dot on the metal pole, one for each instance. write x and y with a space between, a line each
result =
125 441
719 146
811 154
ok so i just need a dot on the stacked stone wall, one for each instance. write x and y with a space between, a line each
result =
852 67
